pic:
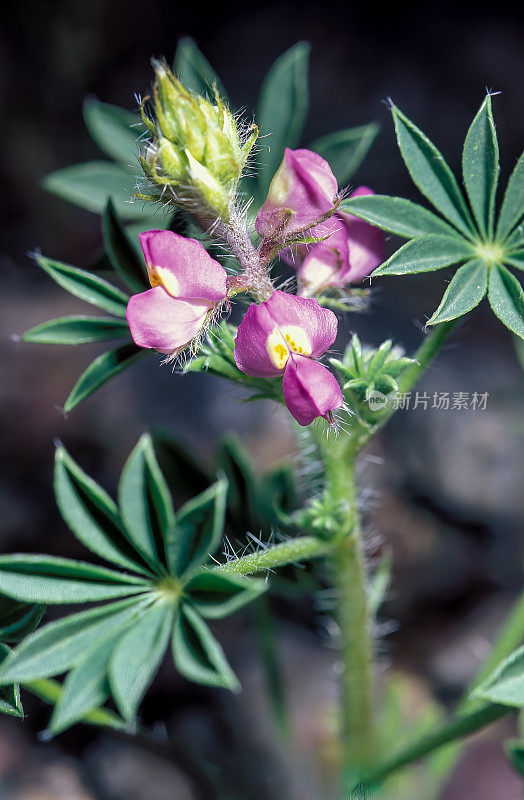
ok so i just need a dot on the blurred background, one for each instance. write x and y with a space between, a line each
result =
443 489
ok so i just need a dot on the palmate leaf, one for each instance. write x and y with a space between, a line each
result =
480 167
115 131
194 71
165 591
346 150
466 289
282 109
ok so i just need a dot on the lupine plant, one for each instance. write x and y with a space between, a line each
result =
205 232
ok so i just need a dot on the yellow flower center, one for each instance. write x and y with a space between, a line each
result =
159 276
283 341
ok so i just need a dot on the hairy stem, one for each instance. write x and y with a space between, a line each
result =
459 728
303 548
353 613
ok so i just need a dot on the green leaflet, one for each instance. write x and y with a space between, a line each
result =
46 579
86 286
465 291
10 702
427 253
216 595
197 654
120 251
282 109
198 529
512 208
346 150
51 691
92 515
194 71
18 620
233 461
56 647
137 656
431 173
102 369
480 167
515 752
115 130
77 330
86 686
506 298
397 215
145 504
91 185
506 684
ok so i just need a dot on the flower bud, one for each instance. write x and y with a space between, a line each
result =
197 154
303 192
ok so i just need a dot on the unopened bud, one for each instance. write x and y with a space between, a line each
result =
197 149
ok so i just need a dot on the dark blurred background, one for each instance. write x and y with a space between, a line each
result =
443 488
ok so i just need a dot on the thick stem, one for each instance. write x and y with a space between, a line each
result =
354 616
254 277
303 548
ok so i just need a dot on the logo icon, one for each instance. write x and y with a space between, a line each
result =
376 400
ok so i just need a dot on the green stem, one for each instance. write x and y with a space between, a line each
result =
303 548
457 729
353 613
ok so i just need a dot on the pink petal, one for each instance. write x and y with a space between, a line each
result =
326 265
161 322
310 390
303 185
281 309
365 242
195 273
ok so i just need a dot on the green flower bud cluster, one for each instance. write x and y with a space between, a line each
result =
370 376
197 154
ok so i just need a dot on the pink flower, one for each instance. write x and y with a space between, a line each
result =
352 251
187 284
283 336
302 191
